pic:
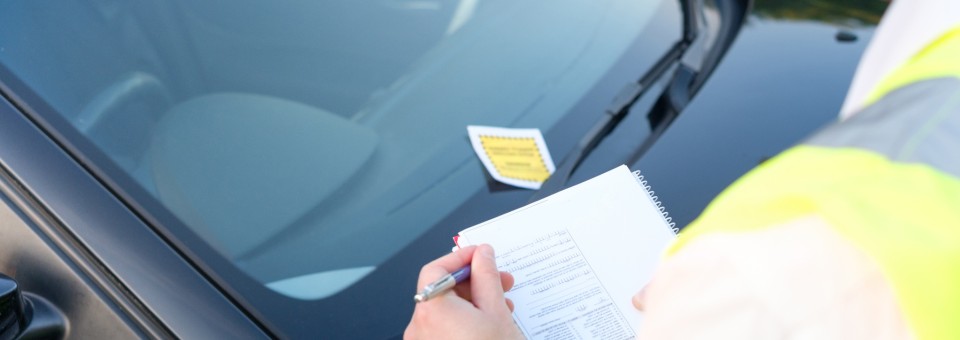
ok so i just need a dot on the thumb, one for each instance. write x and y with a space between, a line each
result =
485 286
640 299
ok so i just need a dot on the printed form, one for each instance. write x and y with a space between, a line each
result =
578 257
563 297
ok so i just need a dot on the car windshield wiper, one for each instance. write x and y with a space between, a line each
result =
613 115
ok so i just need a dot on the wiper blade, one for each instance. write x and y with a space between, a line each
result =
612 116
590 140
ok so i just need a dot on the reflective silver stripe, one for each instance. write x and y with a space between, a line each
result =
917 123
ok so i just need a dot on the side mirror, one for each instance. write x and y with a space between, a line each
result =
27 316
14 314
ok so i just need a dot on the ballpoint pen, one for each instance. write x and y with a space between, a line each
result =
443 284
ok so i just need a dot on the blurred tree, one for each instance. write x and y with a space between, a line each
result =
845 12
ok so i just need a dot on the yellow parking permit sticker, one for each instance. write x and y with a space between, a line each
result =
517 157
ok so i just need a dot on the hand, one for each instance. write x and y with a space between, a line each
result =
473 310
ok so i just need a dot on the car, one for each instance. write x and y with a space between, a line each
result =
200 169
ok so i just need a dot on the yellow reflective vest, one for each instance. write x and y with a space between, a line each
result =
887 180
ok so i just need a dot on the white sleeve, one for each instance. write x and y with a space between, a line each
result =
796 280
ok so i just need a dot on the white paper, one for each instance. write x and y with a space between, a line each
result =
474 132
579 256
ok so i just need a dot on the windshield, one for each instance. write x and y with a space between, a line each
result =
308 142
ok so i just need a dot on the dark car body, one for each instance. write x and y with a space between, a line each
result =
96 261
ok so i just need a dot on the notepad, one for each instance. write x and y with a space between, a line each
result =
578 256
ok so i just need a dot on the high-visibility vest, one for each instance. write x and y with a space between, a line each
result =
886 179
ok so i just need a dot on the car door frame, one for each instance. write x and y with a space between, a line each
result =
137 269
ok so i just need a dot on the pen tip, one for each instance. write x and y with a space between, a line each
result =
418 298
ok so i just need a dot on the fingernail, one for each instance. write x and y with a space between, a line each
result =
486 250
638 299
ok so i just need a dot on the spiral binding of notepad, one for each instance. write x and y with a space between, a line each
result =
656 201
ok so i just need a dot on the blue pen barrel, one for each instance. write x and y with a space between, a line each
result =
443 284
462 274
